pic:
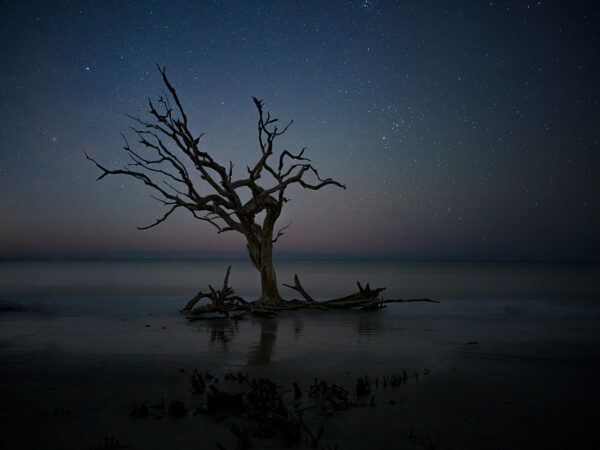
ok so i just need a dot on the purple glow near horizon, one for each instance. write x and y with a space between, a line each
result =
462 129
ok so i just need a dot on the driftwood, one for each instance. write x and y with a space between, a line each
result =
225 301
222 301
298 287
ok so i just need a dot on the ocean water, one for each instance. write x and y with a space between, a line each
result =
121 306
563 281
509 358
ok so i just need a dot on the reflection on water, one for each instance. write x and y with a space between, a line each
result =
260 345
262 352
408 335
222 331
535 304
298 326
412 335
369 324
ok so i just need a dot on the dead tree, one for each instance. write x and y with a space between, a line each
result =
171 157
225 302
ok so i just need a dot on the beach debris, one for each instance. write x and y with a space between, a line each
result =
423 440
268 410
198 383
366 298
373 306
220 401
297 391
430 445
139 411
222 301
238 376
109 443
160 405
176 409
426 371
394 380
61 412
330 396
264 313
314 439
242 435
363 386
471 343
262 403
199 411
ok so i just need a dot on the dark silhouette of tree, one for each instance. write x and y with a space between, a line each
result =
171 158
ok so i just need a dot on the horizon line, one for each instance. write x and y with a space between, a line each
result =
240 255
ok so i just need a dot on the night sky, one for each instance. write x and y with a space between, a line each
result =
462 129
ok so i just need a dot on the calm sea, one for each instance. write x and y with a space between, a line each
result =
512 349
81 307
562 281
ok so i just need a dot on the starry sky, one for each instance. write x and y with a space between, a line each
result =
463 130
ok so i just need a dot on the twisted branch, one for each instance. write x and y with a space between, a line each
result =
173 152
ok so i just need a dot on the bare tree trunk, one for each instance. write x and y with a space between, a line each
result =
268 280
261 255
260 249
270 293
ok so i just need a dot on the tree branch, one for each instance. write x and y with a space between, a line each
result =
281 232
168 170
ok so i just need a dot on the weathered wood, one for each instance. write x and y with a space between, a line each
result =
200 295
224 302
298 287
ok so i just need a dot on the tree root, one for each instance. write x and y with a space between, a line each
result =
224 302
